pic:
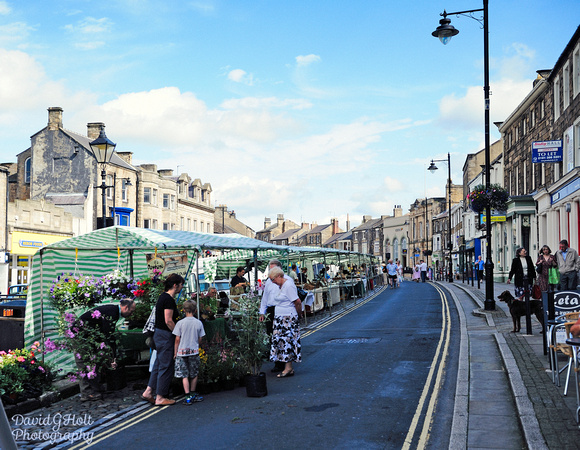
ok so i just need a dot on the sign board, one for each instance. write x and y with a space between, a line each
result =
167 263
564 302
565 191
547 151
496 216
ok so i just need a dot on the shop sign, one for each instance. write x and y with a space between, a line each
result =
30 244
22 261
496 216
565 191
547 151
167 262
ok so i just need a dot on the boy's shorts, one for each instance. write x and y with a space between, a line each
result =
186 366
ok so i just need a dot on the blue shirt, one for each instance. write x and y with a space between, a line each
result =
481 264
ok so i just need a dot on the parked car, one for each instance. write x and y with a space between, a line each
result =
17 291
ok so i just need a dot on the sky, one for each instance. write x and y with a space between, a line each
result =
309 108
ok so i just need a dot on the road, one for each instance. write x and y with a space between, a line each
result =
381 375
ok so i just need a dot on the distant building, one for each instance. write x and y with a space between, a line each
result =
271 230
226 222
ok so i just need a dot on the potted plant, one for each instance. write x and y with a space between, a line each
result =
252 346
480 197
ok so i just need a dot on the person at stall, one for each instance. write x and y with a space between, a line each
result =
286 345
165 318
188 333
268 306
238 281
293 273
104 319
303 275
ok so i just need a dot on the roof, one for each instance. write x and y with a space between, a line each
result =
368 224
67 199
347 235
286 234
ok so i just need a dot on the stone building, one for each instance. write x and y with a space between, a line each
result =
420 231
272 230
368 237
226 222
396 236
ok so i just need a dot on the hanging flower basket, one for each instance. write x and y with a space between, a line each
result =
71 291
480 197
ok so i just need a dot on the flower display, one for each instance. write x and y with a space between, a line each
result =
118 286
480 197
71 291
22 373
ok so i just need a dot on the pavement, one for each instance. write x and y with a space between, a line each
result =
505 398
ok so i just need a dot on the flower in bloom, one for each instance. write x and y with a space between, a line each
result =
21 359
70 334
72 378
78 355
49 346
70 318
41 369
102 346
96 314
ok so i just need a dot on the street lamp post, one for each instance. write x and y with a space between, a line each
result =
432 168
445 31
103 150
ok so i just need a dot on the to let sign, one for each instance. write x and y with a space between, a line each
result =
547 151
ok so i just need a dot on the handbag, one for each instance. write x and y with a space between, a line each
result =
539 267
536 292
553 275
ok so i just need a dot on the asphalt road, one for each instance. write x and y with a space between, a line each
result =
381 376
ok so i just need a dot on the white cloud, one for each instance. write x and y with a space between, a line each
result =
306 60
237 75
392 185
5 8
91 25
14 32
89 45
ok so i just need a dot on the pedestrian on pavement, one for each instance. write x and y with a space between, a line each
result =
165 318
103 319
423 269
392 270
399 272
545 262
416 273
568 265
188 333
268 307
286 331
522 266
480 264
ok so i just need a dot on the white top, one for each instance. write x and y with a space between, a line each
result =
189 330
524 265
285 298
423 267
268 296
392 269
293 275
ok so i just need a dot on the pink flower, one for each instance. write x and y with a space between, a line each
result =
49 346
41 369
70 334
102 346
21 359
72 378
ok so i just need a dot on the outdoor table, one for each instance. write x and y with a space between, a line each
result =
575 344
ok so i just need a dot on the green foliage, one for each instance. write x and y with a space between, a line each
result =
21 371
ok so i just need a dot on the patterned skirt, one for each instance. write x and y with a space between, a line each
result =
286 340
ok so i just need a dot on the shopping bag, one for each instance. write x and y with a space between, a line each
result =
536 292
553 275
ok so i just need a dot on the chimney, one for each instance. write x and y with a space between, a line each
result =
165 172
267 222
366 218
280 219
334 226
94 129
54 118
398 211
125 156
347 223
305 226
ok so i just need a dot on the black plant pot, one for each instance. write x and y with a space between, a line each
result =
116 379
256 385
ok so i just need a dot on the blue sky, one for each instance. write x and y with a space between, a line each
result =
313 109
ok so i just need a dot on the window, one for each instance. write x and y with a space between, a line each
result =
27 165
147 195
542 109
556 98
173 202
566 85
195 225
201 227
576 70
124 191
523 127
110 183
182 222
188 224
154 224
165 226
208 228
154 197
533 118
146 223
190 190
166 202
180 188
203 195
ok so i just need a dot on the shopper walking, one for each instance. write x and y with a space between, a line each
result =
545 262
568 264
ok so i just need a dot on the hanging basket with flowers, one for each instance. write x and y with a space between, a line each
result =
480 197
71 291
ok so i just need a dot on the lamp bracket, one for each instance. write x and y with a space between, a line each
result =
468 13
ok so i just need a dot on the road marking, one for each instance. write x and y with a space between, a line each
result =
438 364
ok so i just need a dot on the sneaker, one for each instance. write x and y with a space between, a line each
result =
195 398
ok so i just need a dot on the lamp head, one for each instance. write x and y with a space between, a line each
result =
432 167
445 31
103 148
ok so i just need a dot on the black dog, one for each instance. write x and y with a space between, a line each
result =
517 308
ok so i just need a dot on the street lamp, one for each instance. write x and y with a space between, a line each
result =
432 168
103 150
445 31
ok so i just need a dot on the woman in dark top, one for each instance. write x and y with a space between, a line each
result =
165 318
522 264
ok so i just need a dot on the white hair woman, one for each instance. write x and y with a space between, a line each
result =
286 331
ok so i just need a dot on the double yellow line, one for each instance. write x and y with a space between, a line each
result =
438 364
